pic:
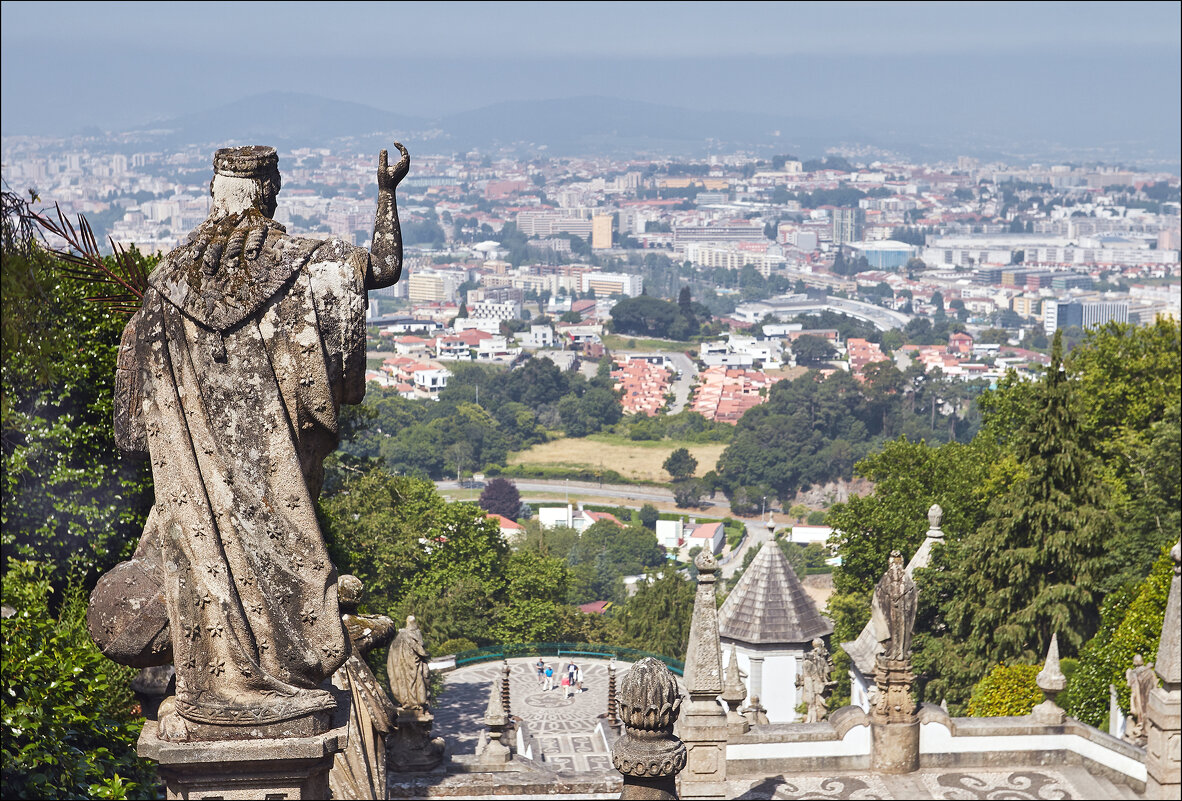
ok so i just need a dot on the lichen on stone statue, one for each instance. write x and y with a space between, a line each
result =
230 378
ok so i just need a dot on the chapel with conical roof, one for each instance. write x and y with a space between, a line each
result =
771 621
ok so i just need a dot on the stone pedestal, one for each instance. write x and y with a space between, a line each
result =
238 770
894 747
1163 750
703 729
410 747
894 727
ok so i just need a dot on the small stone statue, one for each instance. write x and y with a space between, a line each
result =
407 666
230 377
648 754
412 747
893 613
755 712
1141 679
814 681
360 770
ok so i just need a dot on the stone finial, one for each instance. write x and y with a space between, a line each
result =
495 751
1169 651
703 660
506 699
613 718
707 565
734 692
648 754
1051 681
935 516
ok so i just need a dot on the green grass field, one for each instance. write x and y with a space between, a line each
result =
616 342
636 460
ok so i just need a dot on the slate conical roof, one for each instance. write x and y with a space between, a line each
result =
769 606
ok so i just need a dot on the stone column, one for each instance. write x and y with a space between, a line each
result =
1163 751
648 754
755 685
703 727
1051 681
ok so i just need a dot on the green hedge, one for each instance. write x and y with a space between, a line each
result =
70 719
1130 624
1006 690
572 473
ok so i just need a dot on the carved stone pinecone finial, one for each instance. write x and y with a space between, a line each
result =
649 704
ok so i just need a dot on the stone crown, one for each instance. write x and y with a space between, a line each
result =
253 161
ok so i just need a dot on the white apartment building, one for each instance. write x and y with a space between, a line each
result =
605 284
496 309
735 257
434 286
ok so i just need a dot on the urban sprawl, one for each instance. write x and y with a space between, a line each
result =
508 256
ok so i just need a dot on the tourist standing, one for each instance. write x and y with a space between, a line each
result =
549 677
579 679
541 666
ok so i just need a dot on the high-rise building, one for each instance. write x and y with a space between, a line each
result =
847 225
1064 314
601 232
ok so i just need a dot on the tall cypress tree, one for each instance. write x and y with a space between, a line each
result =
1034 567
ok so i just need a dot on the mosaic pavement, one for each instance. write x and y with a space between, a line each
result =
563 727
1035 784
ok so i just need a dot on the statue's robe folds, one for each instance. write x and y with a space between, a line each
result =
359 771
232 380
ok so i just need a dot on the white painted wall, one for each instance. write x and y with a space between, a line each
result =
773 679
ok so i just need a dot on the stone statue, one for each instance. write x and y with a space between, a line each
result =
230 377
406 665
360 770
893 610
815 682
413 748
1141 679
755 712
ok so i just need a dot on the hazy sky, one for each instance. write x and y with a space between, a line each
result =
593 29
937 67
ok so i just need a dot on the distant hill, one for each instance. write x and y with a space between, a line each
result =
568 126
604 124
286 118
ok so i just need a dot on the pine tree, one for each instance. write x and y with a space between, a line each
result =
1033 568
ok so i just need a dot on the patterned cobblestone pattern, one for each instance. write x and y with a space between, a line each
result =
564 727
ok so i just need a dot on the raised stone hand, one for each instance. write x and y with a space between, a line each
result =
389 177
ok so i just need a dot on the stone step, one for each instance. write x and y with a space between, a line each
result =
1092 786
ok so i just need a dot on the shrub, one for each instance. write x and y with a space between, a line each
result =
1006 690
1130 624
70 720
454 646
